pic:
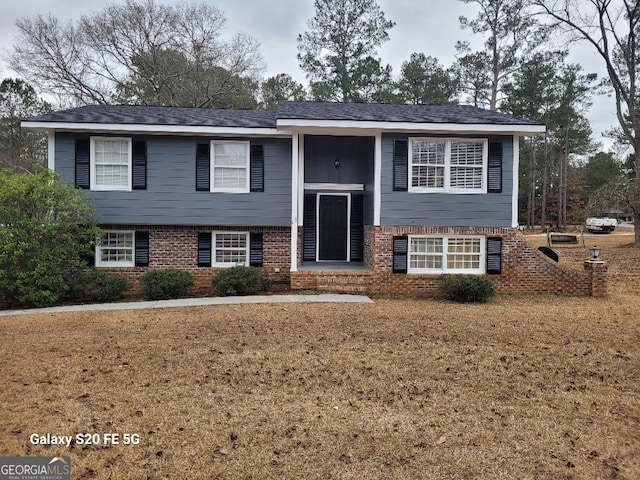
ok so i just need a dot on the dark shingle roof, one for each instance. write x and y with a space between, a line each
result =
376 112
215 117
150 115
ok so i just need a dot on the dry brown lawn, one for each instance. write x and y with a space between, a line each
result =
521 388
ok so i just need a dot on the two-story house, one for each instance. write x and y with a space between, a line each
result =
336 196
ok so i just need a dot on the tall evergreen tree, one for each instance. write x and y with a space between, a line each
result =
550 91
280 87
20 148
338 52
511 33
612 30
423 80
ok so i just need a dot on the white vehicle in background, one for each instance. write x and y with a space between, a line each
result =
601 224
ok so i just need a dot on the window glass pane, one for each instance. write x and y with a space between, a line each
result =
466 165
463 253
229 177
466 153
466 177
231 248
111 162
116 247
230 165
427 169
426 253
230 154
428 152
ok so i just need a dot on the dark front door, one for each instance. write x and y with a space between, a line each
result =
333 215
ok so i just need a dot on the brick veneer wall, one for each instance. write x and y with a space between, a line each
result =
177 247
524 269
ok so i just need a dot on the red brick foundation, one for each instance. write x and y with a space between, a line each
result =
524 269
177 247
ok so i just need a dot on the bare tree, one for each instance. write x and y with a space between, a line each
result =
137 52
611 28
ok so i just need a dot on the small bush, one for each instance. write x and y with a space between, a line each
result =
467 288
241 280
92 285
165 284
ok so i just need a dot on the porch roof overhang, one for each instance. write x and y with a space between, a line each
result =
370 128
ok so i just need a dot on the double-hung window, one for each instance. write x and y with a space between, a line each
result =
446 254
448 165
230 249
229 166
116 249
110 163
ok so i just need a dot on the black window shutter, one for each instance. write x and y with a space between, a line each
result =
309 229
357 228
139 166
494 255
142 249
204 249
255 249
400 254
494 169
256 168
203 168
82 173
400 165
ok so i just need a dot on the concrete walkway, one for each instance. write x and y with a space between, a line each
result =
194 302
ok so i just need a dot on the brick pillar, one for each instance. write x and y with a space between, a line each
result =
597 270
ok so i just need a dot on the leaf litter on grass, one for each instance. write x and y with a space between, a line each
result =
522 387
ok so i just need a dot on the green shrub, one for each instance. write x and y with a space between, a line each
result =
47 229
467 288
165 284
93 285
241 280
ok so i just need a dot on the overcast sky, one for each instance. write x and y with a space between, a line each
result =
428 26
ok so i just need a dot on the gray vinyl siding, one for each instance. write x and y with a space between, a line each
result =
356 164
171 197
450 210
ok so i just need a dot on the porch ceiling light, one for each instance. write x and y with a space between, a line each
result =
595 252
336 163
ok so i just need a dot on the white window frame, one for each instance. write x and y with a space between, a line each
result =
245 188
93 169
98 259
214 249
447 188
445 247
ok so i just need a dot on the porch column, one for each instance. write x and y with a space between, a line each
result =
377 179
516 177
294 200
51 153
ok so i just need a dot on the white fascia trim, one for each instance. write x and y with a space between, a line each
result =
411 127
154 129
